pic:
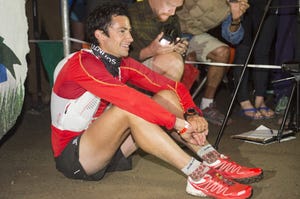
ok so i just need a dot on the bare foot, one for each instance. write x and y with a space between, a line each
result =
249 111
261 107
266 112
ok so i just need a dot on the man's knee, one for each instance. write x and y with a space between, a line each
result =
171 65
115 110
221 54
118 115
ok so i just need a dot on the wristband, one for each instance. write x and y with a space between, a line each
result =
235 23
186 126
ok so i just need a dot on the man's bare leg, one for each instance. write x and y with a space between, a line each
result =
99 143
170 65
215 74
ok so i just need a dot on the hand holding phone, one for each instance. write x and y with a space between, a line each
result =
165 40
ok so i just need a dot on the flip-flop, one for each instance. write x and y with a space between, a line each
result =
254 110
265 110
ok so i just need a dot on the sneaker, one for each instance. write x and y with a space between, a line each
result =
213 115
215 185
281 105
236 172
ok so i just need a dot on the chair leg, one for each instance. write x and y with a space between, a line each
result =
196 92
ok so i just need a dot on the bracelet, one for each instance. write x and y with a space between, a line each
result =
236 23
186 126
182 131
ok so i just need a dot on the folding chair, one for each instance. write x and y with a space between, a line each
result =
203 81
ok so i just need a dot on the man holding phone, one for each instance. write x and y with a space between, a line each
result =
156 32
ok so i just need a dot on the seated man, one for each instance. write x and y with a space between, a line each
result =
98 121
197 17
151 19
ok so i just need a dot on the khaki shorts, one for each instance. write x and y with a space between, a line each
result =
203 44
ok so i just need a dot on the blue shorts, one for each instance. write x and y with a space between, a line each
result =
68 163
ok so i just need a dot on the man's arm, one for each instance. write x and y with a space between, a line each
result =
234 37
232 29
155 48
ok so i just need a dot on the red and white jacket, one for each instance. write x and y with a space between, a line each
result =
83 89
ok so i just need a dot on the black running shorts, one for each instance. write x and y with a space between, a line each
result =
68 163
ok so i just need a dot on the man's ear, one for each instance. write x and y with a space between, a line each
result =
100 35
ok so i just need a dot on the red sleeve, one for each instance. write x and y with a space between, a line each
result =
147 79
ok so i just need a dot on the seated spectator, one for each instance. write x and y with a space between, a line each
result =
98 121
196 18
151 20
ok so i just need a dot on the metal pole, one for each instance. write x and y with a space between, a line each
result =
36 35
65 27
297 103
242 76
297 48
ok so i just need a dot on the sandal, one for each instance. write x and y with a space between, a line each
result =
255 116
266 112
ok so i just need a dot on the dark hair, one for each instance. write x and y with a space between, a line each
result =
100 19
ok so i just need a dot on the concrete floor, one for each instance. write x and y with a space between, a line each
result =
27 167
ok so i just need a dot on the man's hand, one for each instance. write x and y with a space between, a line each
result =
196 131
238 8
158 48
181 46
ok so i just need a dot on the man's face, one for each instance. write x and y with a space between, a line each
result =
164 8
119 39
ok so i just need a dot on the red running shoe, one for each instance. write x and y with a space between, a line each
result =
234 171
215 185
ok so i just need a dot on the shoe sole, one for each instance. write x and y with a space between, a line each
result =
250 180
199 193
190 190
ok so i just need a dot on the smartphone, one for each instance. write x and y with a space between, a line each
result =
165 40
180 40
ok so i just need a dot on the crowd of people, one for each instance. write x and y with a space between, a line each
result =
130 79
196 18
